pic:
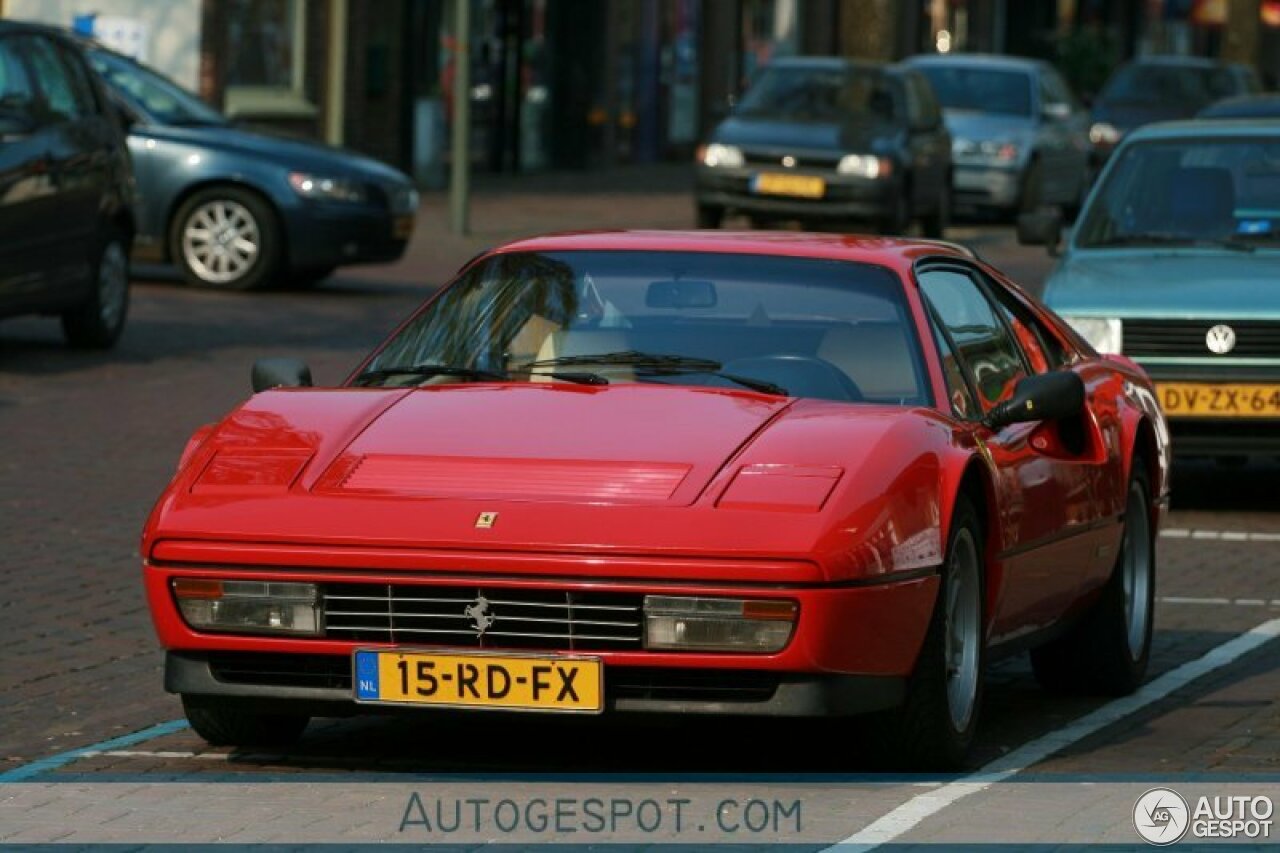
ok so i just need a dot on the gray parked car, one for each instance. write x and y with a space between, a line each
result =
1020 139
237 209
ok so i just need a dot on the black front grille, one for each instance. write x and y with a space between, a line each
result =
512 618
801 161
282 670
1187 338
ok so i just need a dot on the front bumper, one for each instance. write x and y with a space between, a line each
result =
240 680
330 235
845 196
987 186
1219 436
851 650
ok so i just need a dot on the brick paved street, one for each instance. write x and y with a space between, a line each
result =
91 438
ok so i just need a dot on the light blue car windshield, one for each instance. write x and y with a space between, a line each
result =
1189 192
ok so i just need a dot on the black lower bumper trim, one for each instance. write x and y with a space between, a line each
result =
320 685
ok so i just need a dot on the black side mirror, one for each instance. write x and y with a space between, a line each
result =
1041 228
280 373
1040 397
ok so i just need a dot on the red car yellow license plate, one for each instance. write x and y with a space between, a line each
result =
1201 399
471 680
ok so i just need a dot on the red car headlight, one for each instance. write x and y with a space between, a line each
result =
248 607
717 624
781 488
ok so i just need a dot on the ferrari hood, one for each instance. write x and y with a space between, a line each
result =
628 444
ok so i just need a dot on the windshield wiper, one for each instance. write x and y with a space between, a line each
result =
1156 238
427 371
662 364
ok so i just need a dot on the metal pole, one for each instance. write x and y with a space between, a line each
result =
460 179
335 90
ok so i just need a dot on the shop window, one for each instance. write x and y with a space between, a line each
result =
266 58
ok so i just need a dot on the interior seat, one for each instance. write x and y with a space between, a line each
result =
587 342
876 356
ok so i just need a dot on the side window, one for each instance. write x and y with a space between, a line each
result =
54 80
81 83
990 358
17 95
962 404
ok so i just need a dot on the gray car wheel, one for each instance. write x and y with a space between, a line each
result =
226 237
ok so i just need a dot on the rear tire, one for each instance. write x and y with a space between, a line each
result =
934 729
98 321
710 216
1108 650
225 725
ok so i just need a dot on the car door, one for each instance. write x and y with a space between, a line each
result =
1067 133
80 156
1043 498
28 194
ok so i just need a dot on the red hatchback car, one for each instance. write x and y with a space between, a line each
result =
761 474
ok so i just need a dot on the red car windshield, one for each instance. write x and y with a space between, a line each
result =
804 327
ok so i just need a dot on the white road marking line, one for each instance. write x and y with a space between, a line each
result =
1219 535
1242 602
916 810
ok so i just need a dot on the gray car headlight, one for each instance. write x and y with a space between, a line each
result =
248 607
322 188
717 155
1105 334
1104 133
689 623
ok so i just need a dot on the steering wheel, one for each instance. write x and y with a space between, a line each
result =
801 375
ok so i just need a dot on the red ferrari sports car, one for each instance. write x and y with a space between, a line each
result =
759 474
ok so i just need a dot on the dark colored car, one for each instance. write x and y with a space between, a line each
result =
1162 88
66 217
234 208
1019 136
1243 106
825 138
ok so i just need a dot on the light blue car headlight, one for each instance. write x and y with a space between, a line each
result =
1105 334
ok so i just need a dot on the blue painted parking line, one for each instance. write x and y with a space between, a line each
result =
53 762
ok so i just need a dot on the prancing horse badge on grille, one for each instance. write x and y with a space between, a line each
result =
485 520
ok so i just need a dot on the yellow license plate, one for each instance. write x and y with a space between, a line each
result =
402 227
1200 399
801 186
470 680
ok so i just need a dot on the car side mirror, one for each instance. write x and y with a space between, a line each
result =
1056 112
1049 396
1041 228
280 373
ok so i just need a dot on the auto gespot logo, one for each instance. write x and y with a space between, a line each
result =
1162 816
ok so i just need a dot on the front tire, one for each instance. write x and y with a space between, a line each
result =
935 727
1108 650
710 216
226 725
228 238
98 321
935 224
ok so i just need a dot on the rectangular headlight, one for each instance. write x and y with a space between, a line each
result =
865 166
249 607
1105 334
717 624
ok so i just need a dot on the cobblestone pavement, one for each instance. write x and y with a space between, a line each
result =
90 439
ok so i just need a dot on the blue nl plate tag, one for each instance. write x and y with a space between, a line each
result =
367 675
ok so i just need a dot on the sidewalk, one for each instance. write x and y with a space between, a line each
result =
506 207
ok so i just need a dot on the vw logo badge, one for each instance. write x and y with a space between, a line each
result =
1221 339
789 161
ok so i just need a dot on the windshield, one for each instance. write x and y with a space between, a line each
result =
1169 85
159 99
814 328
1188 192
818 95
985 90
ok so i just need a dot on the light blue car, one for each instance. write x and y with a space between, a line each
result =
1175 263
